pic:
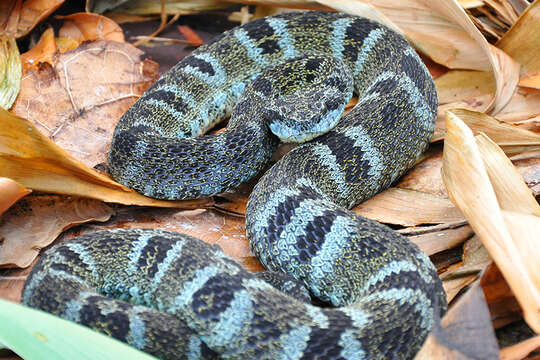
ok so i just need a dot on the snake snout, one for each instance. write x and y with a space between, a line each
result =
308 95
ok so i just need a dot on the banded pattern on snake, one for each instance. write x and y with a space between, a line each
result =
177 297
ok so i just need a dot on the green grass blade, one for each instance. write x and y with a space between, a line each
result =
34 334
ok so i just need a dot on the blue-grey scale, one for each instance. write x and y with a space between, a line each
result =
290 76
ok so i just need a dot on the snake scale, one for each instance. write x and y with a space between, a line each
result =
175 296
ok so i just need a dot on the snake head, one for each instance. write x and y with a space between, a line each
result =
304 97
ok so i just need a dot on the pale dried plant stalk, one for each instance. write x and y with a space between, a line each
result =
485 186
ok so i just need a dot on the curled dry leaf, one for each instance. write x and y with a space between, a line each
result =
10 192
10 72
500 208
409 208
35 221
34 161
470 4
465 331
19 18
512 139
85 27
522 42
523 109
42 52
90 87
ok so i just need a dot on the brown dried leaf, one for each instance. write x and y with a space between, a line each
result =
90 87
465 331
34 161
191 36
458 276
453 286
426 175
19 18
35 221
529 169
437 241
522 42
482 182
42 52
86 27
10 192
470 4
521 350
503 306
409 208
11 285
523 109
510 138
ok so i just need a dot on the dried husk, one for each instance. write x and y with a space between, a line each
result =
500 208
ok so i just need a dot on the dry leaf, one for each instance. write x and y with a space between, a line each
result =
11 286
10 192
503 306
522 43
35 221
90 87
523 109
482 182
437 241
191 36
511 139
42 52
521 350
465 331
86 27
19 18
409 208
426 175
453 286
529 169
458 276
34 161
470 4
10 72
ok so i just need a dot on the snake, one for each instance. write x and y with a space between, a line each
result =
373 294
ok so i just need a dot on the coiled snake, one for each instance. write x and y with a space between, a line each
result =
177 297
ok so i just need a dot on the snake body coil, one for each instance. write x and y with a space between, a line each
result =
177 297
